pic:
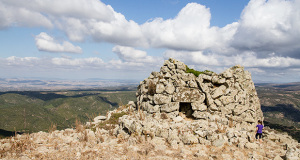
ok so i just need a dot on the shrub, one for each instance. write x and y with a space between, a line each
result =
151 88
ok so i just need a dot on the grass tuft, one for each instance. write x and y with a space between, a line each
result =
79 126
52 128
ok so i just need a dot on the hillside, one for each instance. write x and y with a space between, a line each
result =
32 111
280 104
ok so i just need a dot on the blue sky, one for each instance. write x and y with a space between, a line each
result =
128 39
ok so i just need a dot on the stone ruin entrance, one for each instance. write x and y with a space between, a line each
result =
186 109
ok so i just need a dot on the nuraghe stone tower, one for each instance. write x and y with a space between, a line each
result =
229 97
211 109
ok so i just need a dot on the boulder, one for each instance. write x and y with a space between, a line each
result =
170 107
219 92
187 95
161 99
160 88
199 106
190 139
218 142
99 119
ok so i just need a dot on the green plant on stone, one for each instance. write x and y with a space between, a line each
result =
110 124
195 72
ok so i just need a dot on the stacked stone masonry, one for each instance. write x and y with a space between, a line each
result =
229 97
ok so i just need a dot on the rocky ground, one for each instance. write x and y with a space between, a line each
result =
93 141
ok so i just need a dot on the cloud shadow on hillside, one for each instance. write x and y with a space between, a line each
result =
286 109
46 96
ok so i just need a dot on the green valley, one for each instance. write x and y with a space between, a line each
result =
32 111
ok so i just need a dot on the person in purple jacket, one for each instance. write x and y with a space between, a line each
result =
259 129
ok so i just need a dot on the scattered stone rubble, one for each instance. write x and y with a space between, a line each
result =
176 116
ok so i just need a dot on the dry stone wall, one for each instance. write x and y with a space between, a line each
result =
229 97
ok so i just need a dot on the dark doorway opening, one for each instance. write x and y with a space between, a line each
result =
186 109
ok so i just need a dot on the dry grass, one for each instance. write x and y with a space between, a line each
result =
230 123
52 128
24 146
146 149
121 139
164 116
84 136
91 118
140 113
121 107
19 144
79 127
220 128
101 139
140 139
151 88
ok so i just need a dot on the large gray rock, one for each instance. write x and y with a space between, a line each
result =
218 142
170 88
189 139
199 106
200 115
219 92
161 99
187 95
170 107
160 88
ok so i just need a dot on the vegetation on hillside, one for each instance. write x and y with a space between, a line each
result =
281 107
36 111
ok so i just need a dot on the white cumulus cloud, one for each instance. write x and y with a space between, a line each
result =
66 66
11 15
189 30
130 54
247 59
264 27
44 42
82 62
269 26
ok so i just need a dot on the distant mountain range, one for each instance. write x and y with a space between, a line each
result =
24 84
